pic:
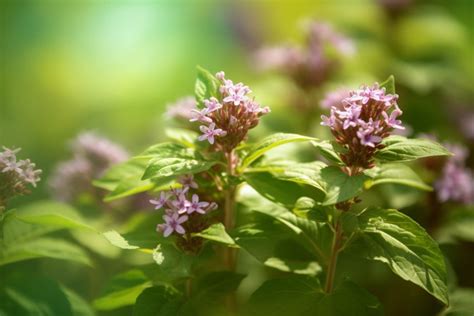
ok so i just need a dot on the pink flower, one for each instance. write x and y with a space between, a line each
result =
197 206
212 105
172 224
210 132
159 203
367 138
392 119
200 116
181 204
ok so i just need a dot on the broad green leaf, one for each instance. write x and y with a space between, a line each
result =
125 179
217 233
209 293
43 248
308 173
340 186
122 290
54 214
15 231
160 300
167 167
96 243
279 190
389 85
166 150
182 136
301 296
403 149
206 86
395 173
274 246
314 236
268 143
327 151
396 240
28 294
307 208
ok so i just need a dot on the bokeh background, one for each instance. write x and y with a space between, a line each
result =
114 66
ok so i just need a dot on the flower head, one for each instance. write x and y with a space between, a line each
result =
182 108
15 175
361 120
228 117
92 156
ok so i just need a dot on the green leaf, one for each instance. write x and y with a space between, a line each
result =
125 179
400 149
206 86
122 290
308 173
27 294
182 136
326 149
79 306
273 245
268 143
209 293
54 214
167 167
396 240
277 188
160 300
301 296
217 233
43 248
314 236
340 186
117 240
395 173
389 85
461 303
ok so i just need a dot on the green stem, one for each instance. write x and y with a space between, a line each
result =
229 253
336 247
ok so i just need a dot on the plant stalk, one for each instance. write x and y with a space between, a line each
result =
336 247
229 216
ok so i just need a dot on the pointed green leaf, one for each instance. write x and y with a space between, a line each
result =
217 233
206 86
401 149
340 186
396 240
268 143
389 85
395 173
162 300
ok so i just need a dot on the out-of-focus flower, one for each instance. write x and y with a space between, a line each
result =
182 108
309 66
228 119
333 98
92 155
456 182
467 125
360 121
15 175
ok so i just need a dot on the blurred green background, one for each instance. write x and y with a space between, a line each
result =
112 66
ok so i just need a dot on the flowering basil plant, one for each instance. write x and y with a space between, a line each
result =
304 218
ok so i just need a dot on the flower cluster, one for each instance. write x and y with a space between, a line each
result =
360 122
308 67
180 207
93 154
15 175
456 182
227 120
